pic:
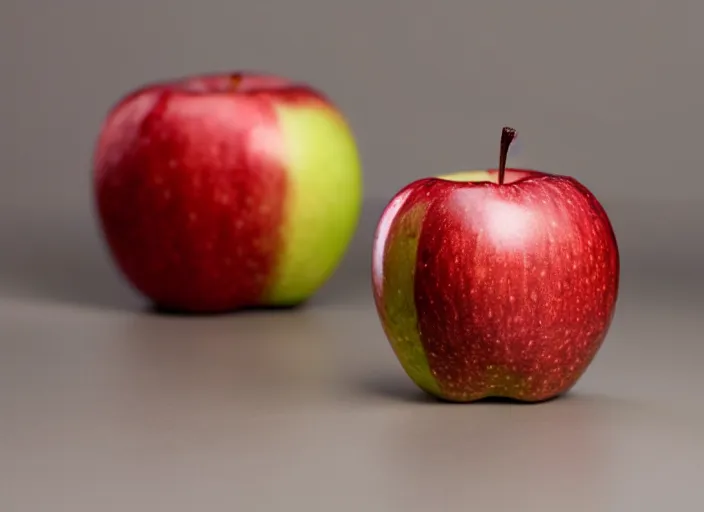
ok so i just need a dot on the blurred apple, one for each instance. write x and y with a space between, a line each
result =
220 192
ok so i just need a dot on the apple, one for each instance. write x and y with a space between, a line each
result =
227 191
495 284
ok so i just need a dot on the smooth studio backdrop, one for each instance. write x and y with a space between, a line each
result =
607 91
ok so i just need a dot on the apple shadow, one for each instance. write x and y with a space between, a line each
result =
165 311
60 257
399 389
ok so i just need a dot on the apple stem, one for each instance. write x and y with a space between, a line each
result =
507 136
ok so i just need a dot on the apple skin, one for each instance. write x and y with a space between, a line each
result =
495 291
226 191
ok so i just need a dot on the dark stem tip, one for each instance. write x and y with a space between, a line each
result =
508 134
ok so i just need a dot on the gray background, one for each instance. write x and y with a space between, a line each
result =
106 406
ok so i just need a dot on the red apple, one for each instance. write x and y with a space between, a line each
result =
498 283
220 192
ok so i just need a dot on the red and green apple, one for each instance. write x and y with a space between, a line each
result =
499 283
224 191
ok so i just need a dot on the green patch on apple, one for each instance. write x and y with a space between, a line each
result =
324 201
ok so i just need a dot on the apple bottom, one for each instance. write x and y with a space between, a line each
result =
501 383
195 255
493 379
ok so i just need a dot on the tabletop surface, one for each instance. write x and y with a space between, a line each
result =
106 405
